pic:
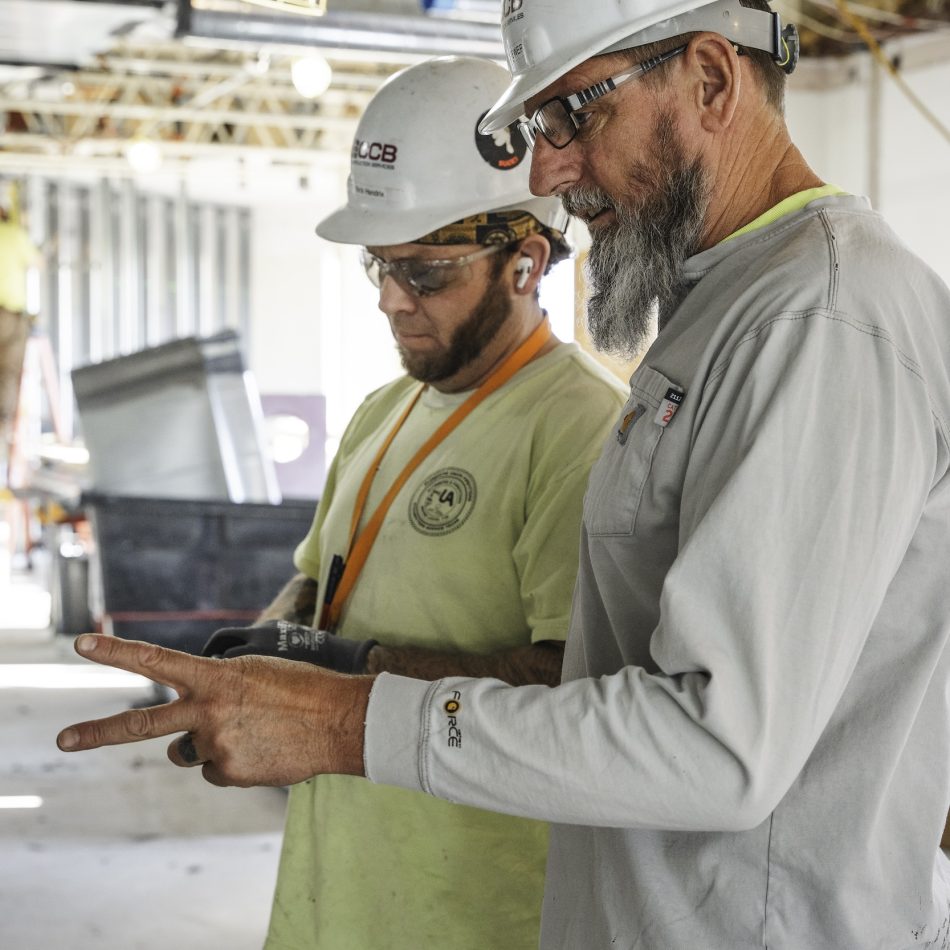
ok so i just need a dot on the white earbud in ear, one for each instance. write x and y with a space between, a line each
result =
523 269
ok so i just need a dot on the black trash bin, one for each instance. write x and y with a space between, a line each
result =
171 572
69 582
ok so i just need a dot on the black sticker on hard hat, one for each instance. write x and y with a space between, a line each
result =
503 149
373 154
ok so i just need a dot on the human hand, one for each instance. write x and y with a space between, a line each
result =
291 641
252 720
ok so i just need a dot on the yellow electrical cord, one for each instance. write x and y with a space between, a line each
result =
860 27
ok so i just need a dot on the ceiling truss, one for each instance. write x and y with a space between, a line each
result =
206 96
186 100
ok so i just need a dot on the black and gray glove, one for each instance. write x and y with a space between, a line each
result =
291 641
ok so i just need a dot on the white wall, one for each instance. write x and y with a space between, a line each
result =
315 324
835 130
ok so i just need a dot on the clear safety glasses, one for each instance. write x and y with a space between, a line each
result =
420 276
557 119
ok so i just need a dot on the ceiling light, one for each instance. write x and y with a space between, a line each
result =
144 155
258 66
311 76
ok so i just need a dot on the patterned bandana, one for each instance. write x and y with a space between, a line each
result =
490 227
498 227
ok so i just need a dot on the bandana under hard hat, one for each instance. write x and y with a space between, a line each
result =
499 227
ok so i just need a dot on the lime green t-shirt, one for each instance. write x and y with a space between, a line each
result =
478 553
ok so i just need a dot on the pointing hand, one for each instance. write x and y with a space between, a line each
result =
251 720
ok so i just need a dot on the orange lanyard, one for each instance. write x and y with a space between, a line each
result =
345 570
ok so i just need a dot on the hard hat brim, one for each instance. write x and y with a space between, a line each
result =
370 227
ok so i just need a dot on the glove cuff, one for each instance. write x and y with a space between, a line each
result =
361 654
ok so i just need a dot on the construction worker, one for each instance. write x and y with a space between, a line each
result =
17 255
472 570
751 744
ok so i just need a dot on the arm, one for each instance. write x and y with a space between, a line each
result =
793 522
761 624
296 602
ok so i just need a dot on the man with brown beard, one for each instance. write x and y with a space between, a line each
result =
472 568
750 747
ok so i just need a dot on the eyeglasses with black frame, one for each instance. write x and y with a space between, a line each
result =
421 276
557 119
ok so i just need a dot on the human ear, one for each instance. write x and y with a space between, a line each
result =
714 63
530 262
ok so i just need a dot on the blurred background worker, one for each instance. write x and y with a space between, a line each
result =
17 255
472 568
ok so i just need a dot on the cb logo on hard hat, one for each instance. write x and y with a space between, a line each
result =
373 153
503 149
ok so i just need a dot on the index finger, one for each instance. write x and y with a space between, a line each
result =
168 667
133 725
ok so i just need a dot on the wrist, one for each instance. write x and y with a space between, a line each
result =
352 725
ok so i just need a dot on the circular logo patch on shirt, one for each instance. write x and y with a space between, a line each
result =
503 149
443 502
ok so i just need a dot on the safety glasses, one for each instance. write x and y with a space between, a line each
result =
420 276
557 119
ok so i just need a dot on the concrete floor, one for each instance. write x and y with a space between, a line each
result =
126 851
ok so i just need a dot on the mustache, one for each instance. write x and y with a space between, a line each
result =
583 201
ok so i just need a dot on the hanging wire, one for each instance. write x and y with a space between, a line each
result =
823 29
861 28
915 23
828 30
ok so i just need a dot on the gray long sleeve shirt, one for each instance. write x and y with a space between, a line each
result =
751 746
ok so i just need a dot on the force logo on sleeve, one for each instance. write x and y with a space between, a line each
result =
443 502
452 709
503 149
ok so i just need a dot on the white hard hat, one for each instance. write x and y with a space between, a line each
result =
544 39
419 163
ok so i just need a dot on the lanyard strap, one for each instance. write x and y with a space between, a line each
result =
345 571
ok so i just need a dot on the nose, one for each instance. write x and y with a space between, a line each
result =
395 299
553 170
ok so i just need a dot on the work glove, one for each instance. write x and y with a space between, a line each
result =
291 641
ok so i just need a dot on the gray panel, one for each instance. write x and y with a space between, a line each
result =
181 420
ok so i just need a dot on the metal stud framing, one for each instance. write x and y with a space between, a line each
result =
123 269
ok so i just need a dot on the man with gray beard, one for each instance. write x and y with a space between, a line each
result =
750 745
633 269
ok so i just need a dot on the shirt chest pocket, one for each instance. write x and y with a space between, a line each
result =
617 480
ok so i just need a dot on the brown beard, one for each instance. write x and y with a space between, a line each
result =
469 339
633 268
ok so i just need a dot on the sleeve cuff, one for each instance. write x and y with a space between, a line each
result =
396 730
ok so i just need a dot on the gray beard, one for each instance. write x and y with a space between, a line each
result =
634 265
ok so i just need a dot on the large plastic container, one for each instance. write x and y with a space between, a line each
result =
180 420
171 572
